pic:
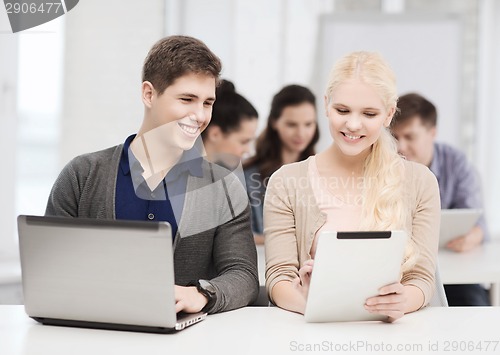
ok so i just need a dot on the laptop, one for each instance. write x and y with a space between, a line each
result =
104 274
349 268
457 222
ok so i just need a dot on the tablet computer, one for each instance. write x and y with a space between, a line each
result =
349 268
456 222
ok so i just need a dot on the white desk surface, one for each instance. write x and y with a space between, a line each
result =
265 330
480 265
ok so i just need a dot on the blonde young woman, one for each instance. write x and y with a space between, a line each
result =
358 183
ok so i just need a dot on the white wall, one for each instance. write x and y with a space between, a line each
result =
432 67
39 101
487 152
263 44
8 127
106 43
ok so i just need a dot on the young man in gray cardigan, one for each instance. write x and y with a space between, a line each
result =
160 175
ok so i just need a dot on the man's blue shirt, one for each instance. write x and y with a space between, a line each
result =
459 184
135 200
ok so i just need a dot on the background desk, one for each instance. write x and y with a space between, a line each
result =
264 330
480 265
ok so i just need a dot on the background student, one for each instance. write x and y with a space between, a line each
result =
359 183
232 129
415 129
290 136
160 175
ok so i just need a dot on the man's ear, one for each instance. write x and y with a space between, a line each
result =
433 131
214 133
390 116
148 92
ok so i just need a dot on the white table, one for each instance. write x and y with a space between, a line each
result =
480 265
265 330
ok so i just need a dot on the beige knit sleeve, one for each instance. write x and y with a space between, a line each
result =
282 261
425 230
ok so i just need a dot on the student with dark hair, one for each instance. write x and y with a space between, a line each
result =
232 128
290 136
159 174
415 129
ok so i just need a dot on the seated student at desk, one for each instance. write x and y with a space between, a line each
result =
415 129
232 128
160 175
290 136
359 183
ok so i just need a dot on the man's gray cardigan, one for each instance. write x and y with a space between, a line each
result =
214 241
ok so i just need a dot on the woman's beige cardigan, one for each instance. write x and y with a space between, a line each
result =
292 217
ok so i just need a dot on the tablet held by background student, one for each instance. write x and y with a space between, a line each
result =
415 128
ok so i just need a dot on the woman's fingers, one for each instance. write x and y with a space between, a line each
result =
392 288
302 281
387 299
392 311
390 302
306 270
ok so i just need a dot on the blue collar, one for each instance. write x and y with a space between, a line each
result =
191 161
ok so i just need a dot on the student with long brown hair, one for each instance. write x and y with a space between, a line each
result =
290 136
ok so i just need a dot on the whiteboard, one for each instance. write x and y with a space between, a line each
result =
424 51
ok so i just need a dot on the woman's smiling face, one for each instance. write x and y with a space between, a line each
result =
356 115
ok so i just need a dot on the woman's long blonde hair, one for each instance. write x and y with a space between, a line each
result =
385 206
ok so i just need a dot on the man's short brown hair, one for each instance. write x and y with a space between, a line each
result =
174 56
412 105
